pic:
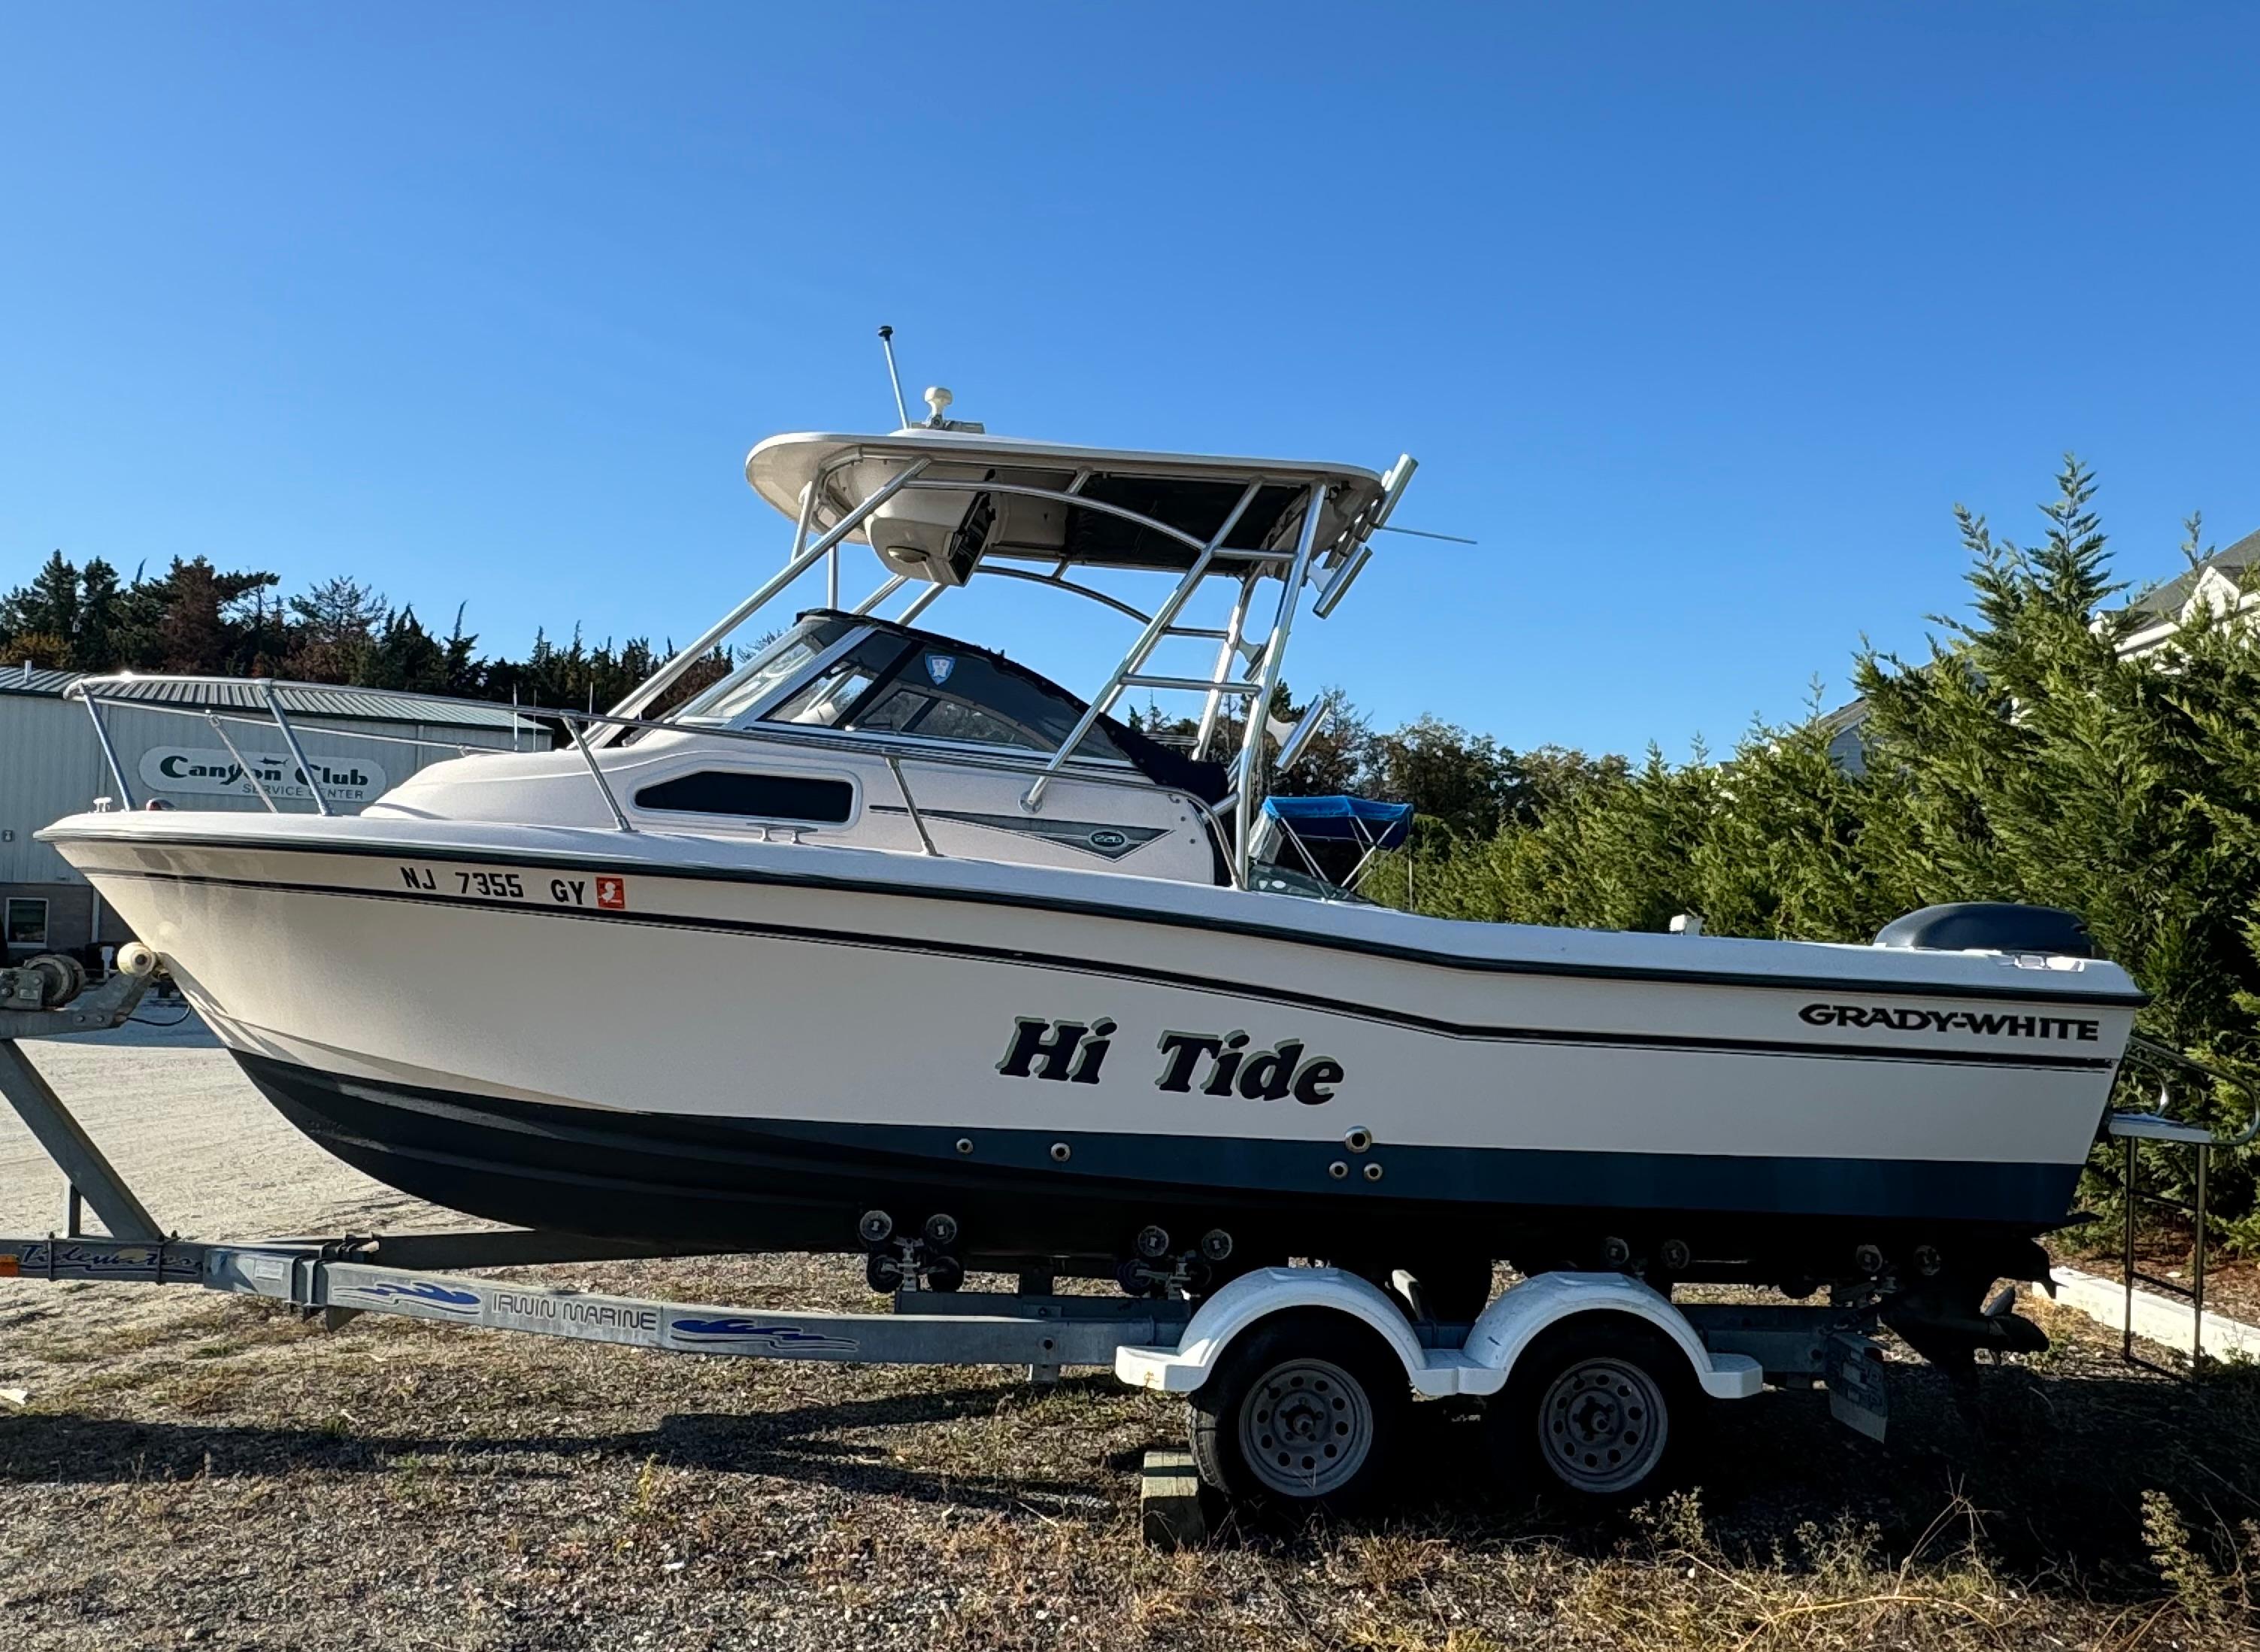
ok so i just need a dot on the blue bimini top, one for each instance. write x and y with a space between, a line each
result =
1360 820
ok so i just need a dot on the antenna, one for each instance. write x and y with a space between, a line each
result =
887 343
1423 534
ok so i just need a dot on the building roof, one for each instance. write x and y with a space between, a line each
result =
226 694
2167 601
35 679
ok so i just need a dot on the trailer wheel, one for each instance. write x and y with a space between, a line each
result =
1302 1412
1601 1409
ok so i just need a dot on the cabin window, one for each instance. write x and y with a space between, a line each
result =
942 693
757 796
27 921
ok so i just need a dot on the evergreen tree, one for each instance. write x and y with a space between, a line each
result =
332 632
402 655
47 608
94 634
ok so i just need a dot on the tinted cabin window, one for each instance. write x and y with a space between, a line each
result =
943 695
767 796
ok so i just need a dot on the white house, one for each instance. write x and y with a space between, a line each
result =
2217 582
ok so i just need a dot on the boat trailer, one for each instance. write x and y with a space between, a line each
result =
1592 1384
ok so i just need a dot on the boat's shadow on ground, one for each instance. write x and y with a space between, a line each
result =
799 1444
2050 1468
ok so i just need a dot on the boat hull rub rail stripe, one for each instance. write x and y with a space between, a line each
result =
1095 968
676 1177
531 856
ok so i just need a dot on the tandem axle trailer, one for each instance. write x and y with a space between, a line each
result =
1296 1378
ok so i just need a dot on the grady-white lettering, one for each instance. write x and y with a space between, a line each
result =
1985 1023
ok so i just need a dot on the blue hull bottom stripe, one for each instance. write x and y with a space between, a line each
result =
788 1185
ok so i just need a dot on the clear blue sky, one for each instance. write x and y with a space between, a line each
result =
1701 317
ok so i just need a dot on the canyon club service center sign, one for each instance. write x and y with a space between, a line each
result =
196 771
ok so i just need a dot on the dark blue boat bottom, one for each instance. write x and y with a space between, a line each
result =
739 1185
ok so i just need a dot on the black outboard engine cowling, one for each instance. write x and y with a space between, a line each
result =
1985 925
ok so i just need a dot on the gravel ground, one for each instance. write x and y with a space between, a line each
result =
207 1155
188 1470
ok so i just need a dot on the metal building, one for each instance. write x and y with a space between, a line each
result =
51 765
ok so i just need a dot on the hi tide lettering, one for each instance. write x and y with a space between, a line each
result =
1214 1063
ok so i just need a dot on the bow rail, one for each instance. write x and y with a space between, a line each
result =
130 691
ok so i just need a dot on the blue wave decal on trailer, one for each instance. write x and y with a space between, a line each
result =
444 1299
775 1339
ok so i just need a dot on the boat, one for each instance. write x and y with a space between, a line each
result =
880 942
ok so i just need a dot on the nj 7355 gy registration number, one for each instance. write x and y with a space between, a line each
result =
486 883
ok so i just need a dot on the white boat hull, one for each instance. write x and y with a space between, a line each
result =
747 1044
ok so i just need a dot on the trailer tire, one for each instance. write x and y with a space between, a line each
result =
1602 1411
1302 1413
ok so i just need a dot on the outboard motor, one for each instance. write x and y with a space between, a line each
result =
1991 927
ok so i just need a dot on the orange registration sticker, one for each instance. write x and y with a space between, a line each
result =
11 1267
613 894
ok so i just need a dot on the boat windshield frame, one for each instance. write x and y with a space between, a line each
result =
1245 668
845 635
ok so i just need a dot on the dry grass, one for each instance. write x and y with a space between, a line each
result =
249 1481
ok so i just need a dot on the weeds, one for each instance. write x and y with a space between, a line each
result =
814 1507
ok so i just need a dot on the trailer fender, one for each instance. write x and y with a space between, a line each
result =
1513 1323
1261 1293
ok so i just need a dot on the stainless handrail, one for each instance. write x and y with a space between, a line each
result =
910 803
249 772
109 751
298 756
90 690
803 558
2132 1129
597 773
2165 1055
1275 658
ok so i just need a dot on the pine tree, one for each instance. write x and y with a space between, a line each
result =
47 608
94 635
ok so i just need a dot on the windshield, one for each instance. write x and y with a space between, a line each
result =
826 699
786 657
887 682
937 692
